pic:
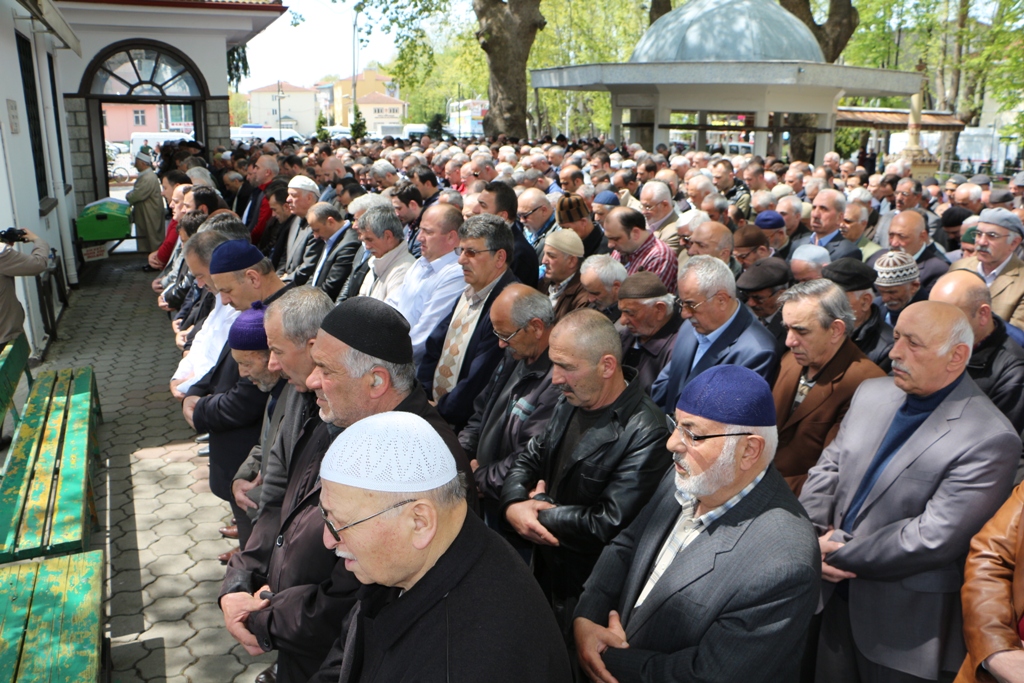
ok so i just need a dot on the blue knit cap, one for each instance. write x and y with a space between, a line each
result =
233 256
247 332
770 220
730 394
607 197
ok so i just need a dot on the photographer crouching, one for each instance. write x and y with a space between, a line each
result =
14 263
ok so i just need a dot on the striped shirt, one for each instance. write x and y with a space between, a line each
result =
654 256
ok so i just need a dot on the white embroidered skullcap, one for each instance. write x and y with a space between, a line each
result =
304 182
393 452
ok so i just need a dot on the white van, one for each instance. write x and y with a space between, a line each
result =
154 138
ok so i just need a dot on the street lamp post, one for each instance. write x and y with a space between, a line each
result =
355 55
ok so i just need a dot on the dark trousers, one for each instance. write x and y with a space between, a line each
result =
839 660
243 523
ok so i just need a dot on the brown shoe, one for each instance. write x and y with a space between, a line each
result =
269 675
224 557
229 531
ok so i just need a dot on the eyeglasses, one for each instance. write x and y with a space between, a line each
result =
509 337
336 533
692 307
994 235
744 256
649 207
471 253
524 216
690 439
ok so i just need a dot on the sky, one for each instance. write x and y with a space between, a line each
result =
319 46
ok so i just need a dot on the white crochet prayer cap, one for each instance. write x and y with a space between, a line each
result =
392 452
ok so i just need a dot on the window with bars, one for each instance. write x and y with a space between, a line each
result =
32 116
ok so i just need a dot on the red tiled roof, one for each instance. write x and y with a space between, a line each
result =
894 119
285 87
378 98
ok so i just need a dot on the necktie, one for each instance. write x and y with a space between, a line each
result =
454 345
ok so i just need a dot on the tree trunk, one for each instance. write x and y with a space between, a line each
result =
506 33
835 33
659 8
801 145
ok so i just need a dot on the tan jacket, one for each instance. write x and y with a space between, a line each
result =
1007 291
14 263
804 433
993 592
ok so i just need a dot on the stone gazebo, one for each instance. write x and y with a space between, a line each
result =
749 57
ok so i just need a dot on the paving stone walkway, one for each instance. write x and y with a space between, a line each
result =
159 520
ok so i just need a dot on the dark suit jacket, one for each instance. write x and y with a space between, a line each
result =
745 342
908 543
524 264
231 409
338 267
838 247
805 432
733 606
482 356
241 199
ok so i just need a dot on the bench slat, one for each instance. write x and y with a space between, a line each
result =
21 459
81 643
16 584
32 535
63 632
71 518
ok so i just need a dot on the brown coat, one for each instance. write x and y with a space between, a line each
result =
1007 290
993 592
804 434
573 297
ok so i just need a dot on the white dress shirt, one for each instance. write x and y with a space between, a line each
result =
429 291
206 346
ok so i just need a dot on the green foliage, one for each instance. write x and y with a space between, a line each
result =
1004 56
436 124
238 66
848 141
238 108
321 128
358 128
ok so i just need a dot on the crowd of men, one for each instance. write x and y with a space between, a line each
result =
734 419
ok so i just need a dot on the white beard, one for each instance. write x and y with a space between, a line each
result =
716 477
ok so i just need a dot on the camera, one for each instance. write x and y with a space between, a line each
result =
12 235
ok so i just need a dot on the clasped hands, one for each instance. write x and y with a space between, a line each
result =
237 607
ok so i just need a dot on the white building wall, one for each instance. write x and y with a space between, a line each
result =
19 199
300 105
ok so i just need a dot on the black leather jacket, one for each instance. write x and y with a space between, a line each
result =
613 472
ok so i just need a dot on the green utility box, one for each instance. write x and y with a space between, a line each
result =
106 219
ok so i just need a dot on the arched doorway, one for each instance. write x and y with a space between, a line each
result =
153 85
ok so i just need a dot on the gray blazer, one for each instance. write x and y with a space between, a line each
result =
909 541
733 606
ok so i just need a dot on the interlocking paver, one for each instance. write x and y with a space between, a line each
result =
159 520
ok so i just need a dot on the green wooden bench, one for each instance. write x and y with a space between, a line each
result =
46 498
50 619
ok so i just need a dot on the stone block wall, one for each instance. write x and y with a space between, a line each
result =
81 154
218 123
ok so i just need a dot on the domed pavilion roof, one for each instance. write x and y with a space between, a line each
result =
728 31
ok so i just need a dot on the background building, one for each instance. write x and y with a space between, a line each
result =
383 113
370 80
293 106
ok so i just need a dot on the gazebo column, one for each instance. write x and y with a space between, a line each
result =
761 137
616 122
702 135
824 142
642 135
661 115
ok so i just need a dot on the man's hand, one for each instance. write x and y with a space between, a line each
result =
1007 666
30 236
175 324
828 572
591 642
523 517
474 464
155 262
182 337
237 607
239 489
188 407
175 383
158 286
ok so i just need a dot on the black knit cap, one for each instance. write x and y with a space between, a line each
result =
852 274
372 327
954 216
